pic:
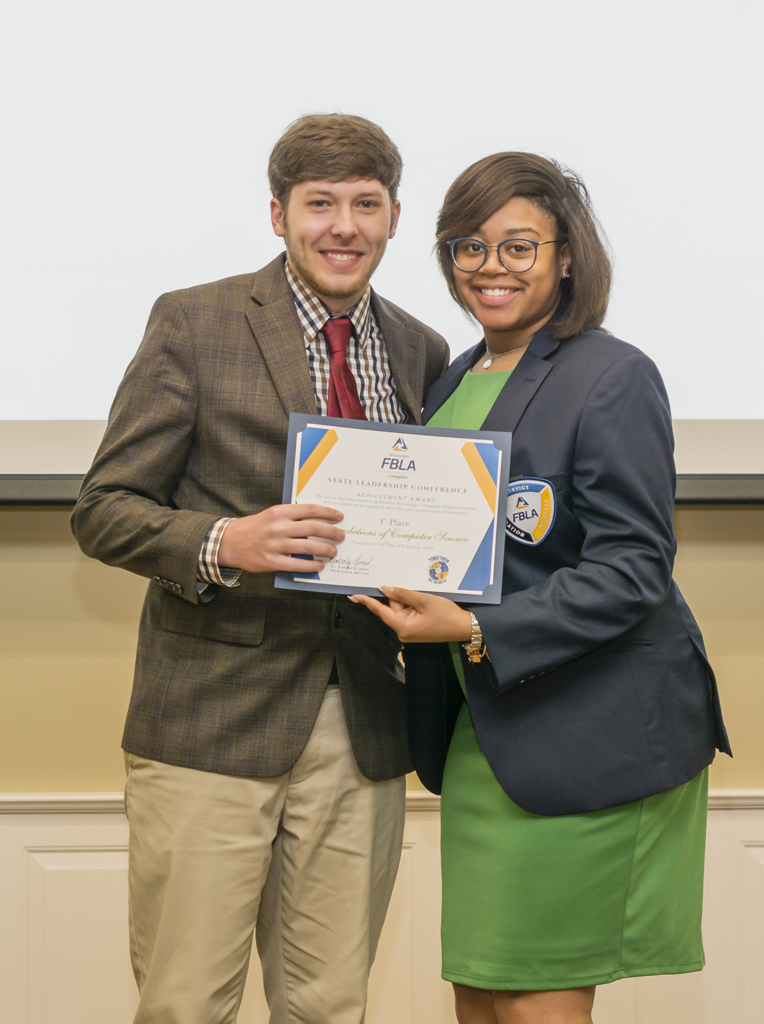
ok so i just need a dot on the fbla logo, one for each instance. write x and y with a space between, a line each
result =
398 464
531 510
438 571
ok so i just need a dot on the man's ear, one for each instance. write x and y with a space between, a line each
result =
394 217
278 218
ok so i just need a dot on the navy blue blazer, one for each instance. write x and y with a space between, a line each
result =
598 690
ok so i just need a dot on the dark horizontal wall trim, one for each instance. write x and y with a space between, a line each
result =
39 488
719 489
692 489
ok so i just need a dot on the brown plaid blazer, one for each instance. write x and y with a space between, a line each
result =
197 431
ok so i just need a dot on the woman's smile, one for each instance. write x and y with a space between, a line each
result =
495 295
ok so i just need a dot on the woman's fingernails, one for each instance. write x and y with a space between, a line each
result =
353 599
387 590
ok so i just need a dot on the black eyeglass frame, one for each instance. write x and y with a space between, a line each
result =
497 246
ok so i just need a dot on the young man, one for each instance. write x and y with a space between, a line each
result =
265 741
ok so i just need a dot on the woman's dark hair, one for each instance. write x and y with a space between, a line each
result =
487 185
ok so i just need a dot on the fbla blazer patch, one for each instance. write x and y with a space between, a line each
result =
531 508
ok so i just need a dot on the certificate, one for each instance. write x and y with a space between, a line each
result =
424 508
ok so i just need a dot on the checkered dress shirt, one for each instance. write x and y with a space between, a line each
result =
366 356
368 362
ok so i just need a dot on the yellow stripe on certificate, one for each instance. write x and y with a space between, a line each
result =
315 459
480 472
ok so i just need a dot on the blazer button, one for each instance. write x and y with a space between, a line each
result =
337 620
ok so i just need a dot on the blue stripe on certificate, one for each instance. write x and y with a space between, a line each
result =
479 574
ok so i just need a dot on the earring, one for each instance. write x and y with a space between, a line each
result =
566 273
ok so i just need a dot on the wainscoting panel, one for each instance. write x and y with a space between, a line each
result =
63 923
75 942
754 927
64 937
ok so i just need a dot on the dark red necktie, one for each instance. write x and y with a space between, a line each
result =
343 393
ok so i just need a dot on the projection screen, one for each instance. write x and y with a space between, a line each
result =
137 138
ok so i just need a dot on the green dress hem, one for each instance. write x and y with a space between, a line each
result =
503 984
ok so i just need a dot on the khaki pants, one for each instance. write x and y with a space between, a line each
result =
308 858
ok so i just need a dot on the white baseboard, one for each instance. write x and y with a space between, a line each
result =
416 800
113 803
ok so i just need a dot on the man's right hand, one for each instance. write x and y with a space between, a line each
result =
268 541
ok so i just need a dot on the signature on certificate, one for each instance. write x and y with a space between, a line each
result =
352 563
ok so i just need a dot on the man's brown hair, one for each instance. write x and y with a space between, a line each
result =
333 147
487 185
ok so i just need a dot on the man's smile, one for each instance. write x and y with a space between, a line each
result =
340 259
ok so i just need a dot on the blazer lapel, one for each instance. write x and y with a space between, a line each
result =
406 352
443 389
523 383
273 319
515 396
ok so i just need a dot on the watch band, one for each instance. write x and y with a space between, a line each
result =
476 648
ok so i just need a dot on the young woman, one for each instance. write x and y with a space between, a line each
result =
570 727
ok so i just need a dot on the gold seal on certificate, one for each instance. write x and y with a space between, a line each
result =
424 508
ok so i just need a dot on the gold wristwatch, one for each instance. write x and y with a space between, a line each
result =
476 647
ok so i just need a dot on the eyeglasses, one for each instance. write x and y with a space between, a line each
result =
515 254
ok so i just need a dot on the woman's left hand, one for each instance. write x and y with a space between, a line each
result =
419 618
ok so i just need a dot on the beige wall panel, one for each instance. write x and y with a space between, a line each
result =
68 631
720 570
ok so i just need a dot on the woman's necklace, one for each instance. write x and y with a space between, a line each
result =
498 355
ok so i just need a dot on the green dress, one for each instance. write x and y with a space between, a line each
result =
537 902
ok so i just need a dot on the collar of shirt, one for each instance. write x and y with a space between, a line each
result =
313 313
